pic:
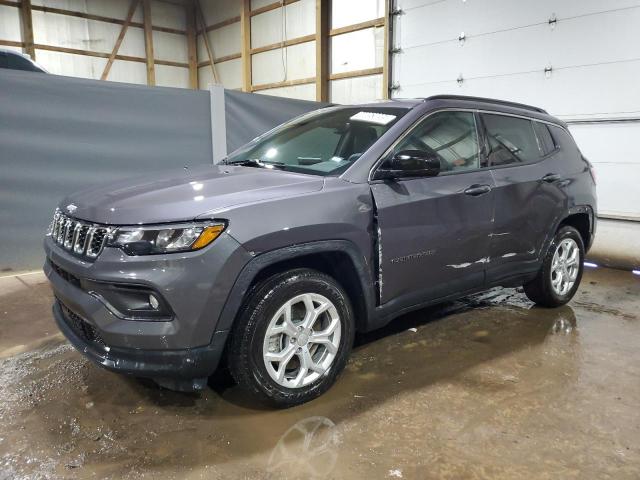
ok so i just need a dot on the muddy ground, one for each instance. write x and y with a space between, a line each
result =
487 387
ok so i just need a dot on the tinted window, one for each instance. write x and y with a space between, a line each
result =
3 60
511 140
545 141
565 142
450 135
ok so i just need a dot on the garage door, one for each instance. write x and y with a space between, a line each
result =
578 59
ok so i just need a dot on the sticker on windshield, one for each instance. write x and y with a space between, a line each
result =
372 117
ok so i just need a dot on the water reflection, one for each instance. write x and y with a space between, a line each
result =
309 448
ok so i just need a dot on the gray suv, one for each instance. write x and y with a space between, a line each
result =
334 223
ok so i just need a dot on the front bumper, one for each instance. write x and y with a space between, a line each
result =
193 363
195 286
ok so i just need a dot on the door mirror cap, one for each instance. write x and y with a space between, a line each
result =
409 164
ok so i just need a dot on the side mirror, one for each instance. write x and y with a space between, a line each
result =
408 164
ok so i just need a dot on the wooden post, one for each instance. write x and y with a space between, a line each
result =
27 28
123 31
245 33
385 51
205 38
192 47
148 42
322 50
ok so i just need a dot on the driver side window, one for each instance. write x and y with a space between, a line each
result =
452 136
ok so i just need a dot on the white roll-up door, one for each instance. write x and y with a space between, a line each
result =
578 59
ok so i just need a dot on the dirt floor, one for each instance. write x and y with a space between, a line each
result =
487 387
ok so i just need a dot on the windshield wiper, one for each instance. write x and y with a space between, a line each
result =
254 162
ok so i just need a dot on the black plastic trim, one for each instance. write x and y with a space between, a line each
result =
173 364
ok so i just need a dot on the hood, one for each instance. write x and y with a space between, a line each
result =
185 194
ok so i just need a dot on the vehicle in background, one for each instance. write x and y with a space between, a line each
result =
13 60
334 223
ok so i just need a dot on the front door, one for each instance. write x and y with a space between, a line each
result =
434 233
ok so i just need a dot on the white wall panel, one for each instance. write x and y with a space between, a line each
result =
612 148
71 65
14 49
296 20
216 11
110 8
256 4
167 76
10 24
290 63
266 28
133 43
357 50
349 12
83 34
301 92
128 72
356 90
170 46
205 77
593 50
226 40
230 73
301 19
168 15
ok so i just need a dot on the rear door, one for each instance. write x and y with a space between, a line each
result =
434 232
529 196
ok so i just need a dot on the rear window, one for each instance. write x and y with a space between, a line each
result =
511 140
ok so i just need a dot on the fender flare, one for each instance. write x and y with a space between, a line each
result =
259 262
561 218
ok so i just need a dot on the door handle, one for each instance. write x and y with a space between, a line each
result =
475 190
551 177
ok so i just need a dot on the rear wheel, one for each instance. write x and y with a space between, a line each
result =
292 338
561 271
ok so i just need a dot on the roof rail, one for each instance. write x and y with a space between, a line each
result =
487 100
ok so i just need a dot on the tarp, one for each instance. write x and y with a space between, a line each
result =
59 135
249 115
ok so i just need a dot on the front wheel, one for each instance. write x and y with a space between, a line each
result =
292 338
561 271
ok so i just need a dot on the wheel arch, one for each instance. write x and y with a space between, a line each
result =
340 259
582 219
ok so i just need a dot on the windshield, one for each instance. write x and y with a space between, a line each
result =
321 143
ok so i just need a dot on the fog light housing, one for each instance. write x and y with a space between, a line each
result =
130 302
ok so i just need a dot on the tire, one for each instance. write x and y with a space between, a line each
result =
546 289
284 383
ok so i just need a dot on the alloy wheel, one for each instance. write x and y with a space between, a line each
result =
565 266
302 340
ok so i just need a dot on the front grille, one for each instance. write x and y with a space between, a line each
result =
72 279
80 327
77 236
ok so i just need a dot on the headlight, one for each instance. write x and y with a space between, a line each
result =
149 240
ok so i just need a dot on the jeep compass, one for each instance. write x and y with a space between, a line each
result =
333 223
